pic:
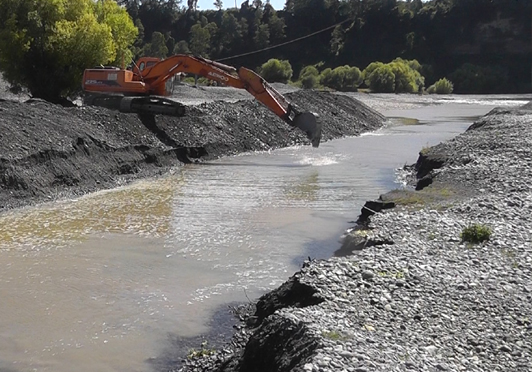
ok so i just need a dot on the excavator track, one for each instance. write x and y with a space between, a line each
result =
153 105
109 101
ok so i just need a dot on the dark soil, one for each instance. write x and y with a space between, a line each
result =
49 151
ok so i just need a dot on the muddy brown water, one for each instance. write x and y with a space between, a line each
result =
101 282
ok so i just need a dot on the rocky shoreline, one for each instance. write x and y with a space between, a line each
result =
414 296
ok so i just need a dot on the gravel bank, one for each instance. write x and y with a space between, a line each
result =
413 296
49 152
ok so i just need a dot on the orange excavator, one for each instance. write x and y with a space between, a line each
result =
142 89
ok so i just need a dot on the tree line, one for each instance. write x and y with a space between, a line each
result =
482 46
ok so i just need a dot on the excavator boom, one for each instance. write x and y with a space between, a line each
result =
143 88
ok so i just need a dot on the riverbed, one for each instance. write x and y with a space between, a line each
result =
104 281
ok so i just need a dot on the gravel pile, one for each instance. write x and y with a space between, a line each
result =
417 297
49 152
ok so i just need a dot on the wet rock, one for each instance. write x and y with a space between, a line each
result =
429 301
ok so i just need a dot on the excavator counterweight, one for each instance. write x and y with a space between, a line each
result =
142 89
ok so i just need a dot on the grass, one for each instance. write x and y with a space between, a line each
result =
424 150
198 353
475 233
334 336
428 195
386 274
433 195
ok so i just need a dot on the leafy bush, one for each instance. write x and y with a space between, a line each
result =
351 77
399 76
309 77
369 70
382 80
343 78
276 71
475 233
325 77
442 86
407 76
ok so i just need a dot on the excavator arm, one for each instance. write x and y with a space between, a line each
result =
149 80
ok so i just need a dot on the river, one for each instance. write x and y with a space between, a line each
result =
105 282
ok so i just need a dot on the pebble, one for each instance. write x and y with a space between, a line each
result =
428 304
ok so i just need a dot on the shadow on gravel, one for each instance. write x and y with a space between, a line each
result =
5 369
261 165
183 153
177 349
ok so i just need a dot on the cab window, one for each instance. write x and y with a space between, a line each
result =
142 65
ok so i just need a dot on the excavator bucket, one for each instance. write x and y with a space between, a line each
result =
306 121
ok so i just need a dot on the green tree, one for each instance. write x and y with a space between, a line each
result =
218 4
199 40
276 25
337 40
181 47
230 31
405 79
157 47
123 29
45 45
405 73
262 36
170 42
470 78
276 71
137 47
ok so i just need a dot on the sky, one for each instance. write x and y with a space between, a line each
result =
209 4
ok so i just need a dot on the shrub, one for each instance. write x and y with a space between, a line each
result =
368 70
343 78
276 71
407 76
352 78
399 76
442 86
382 80
309 77
475 233
325 77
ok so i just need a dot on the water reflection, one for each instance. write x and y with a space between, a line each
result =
305 190
144 209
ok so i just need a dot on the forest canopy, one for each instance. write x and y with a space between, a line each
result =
479 46
447 37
